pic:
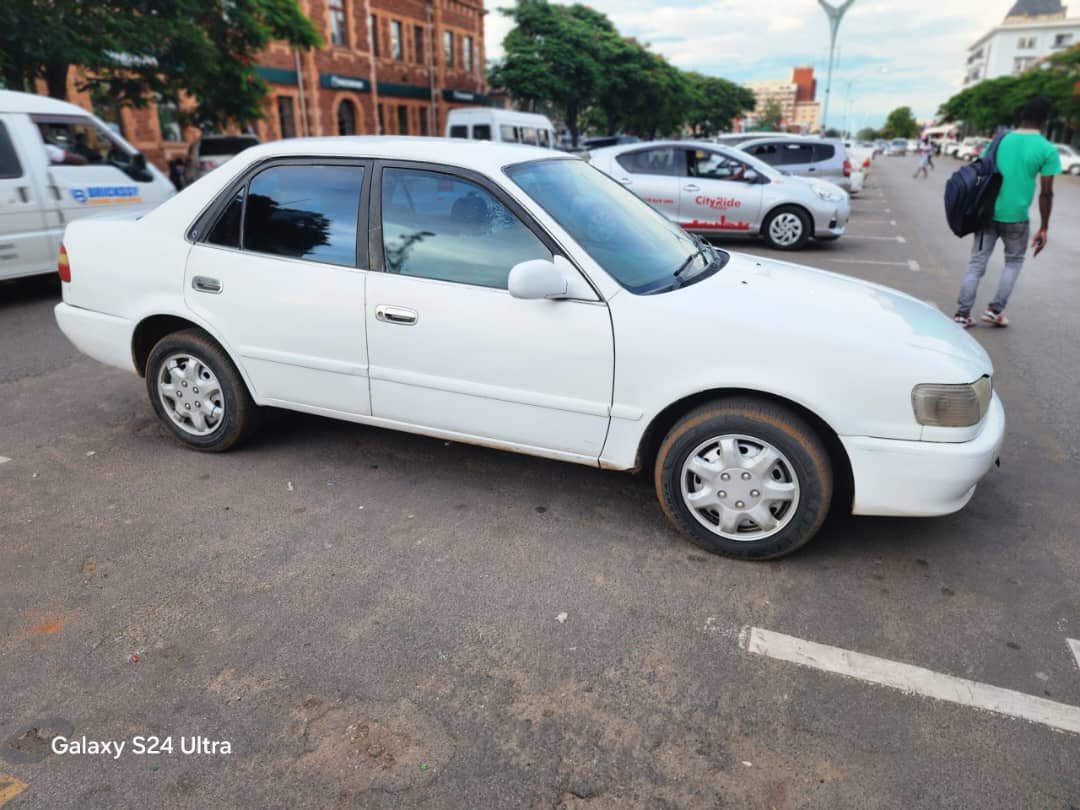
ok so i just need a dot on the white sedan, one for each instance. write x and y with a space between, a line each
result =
711 189
511 297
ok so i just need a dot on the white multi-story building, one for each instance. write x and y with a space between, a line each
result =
1032 30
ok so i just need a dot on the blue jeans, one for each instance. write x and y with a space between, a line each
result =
1015 236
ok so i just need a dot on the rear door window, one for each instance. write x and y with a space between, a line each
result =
795 154
823 152
664 161
459 131
481 132
766 152
304 212
508 133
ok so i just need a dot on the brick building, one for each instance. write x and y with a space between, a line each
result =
386 66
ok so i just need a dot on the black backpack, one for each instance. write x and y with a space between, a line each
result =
971 192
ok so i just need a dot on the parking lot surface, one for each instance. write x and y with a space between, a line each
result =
374 619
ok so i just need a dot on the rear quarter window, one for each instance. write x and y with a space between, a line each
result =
824 151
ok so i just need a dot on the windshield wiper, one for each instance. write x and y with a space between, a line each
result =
686 264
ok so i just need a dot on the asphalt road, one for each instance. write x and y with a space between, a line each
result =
372 619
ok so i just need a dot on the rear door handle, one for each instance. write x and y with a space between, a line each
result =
24 194
206 284
691 187
398 315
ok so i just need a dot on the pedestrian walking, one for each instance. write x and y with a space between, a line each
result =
924 160
1023 156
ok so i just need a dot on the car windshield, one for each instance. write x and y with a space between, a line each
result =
635 244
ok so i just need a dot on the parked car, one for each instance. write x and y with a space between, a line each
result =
949 147
711 189
58 163
1070 159
482 293
736 138
211 151
971 148
502 126
804 156
861 155
604 141
897 147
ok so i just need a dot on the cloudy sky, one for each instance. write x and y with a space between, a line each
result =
889 52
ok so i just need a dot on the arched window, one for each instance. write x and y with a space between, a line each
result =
346 118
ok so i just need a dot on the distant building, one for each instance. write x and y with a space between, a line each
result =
1032 30
798 109
389 66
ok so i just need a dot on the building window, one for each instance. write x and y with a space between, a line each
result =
1062 40
1025 43
168 115
403 120
423 121
346 118
286 116
1022 63
418 44
373 34
382 120
339 32
395 41
448 48
466 54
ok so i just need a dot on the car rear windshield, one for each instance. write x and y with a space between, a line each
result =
637 246
232 145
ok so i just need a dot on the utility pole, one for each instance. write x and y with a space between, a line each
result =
834 13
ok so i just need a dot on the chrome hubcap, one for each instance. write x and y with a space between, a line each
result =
191 394
785 229
739 487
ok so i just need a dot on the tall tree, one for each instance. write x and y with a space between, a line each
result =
715 102
772 115
554 53
901 123
134 50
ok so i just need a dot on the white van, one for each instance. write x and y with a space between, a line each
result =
58 163
508 126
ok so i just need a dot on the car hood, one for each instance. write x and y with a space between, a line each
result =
840 311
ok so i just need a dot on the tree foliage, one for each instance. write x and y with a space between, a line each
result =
574 59
134 50
901 123
772 115
867 134
994 102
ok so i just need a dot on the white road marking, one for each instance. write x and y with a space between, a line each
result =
4 459
912 680
1074 645
862 221
910 264
899 239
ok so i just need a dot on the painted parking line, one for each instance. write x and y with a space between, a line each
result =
910 679
862 221
899 239
910 264
4 459
10 787
1074 645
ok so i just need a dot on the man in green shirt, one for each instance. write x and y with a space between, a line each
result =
1022 156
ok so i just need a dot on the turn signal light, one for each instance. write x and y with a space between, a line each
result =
63 266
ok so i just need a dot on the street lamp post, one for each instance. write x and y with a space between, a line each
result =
834 13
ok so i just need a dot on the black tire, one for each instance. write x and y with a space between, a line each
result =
241 415
799 444
806 227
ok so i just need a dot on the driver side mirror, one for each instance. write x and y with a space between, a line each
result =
539 279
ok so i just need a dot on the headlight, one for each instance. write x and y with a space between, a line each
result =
827 194
951 405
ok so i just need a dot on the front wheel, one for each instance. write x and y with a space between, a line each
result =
744 478
786 228
1075 170
198 393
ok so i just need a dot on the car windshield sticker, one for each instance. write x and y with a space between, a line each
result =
103 195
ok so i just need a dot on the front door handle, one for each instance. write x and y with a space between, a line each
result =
625 181
24 194
206 284
398 315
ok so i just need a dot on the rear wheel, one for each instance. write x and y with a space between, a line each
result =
744 478
1075 170
787 228
197 392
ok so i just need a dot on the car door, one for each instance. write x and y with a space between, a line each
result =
719 193
276 277
27 245
451 351
797 158
653 174
109 175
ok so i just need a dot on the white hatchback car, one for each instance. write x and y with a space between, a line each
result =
518 298
711 189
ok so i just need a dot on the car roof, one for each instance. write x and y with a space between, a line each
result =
12 101
661 144
481 156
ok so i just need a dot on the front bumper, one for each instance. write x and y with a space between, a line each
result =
922 479
831 219
106 338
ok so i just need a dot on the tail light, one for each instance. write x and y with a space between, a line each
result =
847 168
866 163
63 266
